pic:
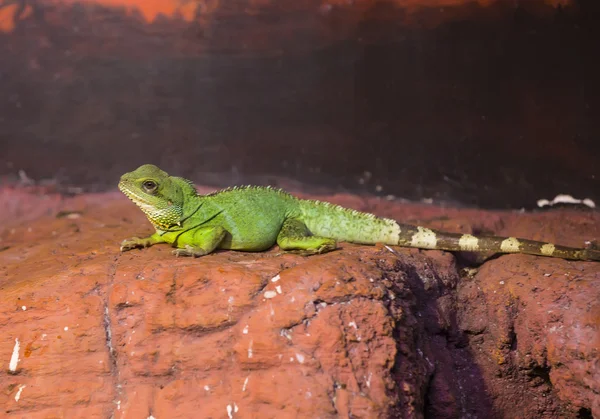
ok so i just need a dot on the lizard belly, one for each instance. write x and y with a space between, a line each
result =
257 237
253 237
255 233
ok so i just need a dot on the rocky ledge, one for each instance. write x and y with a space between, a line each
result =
363 332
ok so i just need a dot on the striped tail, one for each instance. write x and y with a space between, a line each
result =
425 238
343 224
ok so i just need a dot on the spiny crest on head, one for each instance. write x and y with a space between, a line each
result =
189 183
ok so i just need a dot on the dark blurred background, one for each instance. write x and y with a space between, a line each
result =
479 103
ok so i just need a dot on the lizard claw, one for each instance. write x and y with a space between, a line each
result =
189 251
132 243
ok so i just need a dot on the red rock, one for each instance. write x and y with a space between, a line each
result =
537 335
359 332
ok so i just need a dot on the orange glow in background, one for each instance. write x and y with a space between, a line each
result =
11 13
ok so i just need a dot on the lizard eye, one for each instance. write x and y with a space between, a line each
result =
149 186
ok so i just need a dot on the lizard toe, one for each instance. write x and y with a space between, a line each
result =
189 251
129 244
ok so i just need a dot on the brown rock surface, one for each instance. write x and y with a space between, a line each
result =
361 332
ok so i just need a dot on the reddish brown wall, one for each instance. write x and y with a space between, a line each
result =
479 102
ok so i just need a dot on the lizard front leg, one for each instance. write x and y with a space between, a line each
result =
136 242
199 241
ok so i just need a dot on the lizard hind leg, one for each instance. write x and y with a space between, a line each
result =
295 237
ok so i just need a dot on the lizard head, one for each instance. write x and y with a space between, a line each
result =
160 196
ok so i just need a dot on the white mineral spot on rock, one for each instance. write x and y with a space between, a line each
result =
14 359
245 383
353 324
245 330
501 282
300 358
207 388
278 289
250 349
566 199
235 407
19 391
66 328
270 294
276 278
23 308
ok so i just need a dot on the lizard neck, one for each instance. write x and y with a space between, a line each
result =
189 210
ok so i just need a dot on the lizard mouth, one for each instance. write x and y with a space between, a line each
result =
129 193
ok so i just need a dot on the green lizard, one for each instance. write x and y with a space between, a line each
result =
252 218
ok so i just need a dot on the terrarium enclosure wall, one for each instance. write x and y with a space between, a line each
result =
482 103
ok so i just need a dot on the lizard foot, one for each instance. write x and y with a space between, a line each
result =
324 248
134 243
190 251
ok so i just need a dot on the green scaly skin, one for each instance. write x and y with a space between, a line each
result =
253 218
